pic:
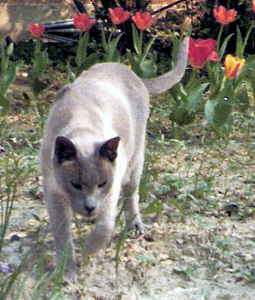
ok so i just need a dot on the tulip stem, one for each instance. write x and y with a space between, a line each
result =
219 38
141 42
193 76
37 46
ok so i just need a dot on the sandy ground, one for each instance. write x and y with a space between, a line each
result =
205 250
203 258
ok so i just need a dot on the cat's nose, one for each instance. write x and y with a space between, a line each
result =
89 209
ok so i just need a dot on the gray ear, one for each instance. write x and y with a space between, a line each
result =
64 149
109 149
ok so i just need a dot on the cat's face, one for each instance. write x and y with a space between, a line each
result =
86 179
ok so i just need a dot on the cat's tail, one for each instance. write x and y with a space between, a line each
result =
165 82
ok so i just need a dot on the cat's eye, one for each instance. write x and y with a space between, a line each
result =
77 186
102 184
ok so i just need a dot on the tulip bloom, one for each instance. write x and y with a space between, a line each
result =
200 51
83 22
224 16
253 5
36 29
232 66
118 15
142 20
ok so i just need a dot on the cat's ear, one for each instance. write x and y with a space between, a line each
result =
64 149
109 149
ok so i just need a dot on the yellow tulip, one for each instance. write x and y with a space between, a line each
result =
232 66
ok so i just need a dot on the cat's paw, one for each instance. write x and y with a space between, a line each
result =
70 271
139 227
136 225
70 275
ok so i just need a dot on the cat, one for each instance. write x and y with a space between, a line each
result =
93 150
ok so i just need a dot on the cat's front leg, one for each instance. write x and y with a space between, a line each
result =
60 221
104 227
131 199
132 213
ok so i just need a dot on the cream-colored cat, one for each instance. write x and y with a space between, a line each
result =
93 149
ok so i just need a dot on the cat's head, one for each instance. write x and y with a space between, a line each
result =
87 179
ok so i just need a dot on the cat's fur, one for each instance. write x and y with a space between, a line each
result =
93 149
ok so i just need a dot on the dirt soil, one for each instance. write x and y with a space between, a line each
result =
200 257
203 250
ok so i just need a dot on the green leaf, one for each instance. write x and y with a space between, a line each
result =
115 42
242 99
36 84
149 69
213 68
9 49
40 62
134 63
182 116
178 92
81 51
222 113
224 45
247 71
176 45
153 208
195 96
219 116
176 205
147 48
10 75
71 75
104 43
137 40
209 111
4 60
111 52
143 68
91 59
228 93
36 217
239 43
5 104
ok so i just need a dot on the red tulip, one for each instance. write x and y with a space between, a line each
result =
83 22
253 5
142 20
224 16
200 51
36 29
118 15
